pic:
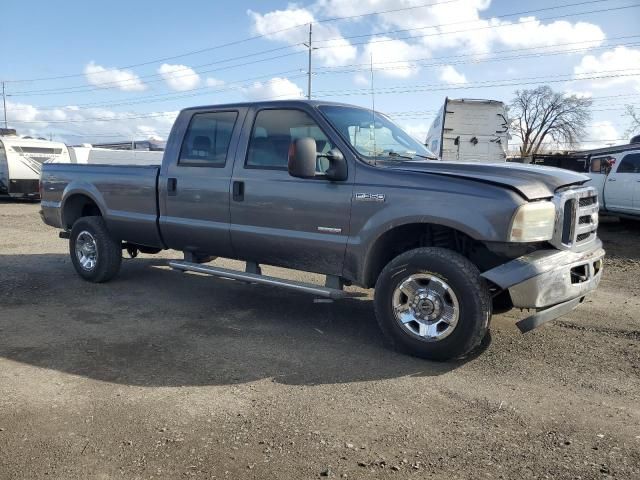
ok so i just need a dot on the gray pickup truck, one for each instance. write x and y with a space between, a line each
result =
342 191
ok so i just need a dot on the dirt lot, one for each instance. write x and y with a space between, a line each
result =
167 375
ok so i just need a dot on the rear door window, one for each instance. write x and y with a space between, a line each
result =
630 164
207 140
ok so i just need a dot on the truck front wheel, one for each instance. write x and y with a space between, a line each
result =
96 256
432 303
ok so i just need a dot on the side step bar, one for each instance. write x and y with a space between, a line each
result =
258 278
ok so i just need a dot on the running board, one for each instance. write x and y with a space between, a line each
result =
257 278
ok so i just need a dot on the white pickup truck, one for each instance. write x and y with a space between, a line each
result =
616 175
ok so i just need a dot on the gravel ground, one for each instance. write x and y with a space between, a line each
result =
167 375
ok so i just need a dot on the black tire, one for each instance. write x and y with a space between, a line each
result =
629 222
463 277
108 256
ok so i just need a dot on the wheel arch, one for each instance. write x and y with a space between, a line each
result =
406 236
77 205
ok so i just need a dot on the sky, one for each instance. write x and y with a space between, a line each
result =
89 72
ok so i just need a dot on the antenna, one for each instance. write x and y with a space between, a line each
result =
373 111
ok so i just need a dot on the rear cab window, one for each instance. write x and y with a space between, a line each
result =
206 141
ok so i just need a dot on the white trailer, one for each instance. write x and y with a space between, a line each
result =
21 162
470 130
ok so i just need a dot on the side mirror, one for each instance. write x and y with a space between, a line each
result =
302 158
337 165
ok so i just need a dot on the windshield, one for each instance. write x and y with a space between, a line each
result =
373 135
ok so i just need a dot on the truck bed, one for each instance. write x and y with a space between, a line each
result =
127 195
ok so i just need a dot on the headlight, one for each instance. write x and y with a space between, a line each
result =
533 222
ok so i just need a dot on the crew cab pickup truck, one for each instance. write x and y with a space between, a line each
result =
342 191
616 175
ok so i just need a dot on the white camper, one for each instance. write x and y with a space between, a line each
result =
470 130
21 161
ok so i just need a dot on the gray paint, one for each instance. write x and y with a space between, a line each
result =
277 223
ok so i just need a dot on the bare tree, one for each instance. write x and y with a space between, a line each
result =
541 114
634 128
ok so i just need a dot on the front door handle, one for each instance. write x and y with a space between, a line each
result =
238 191
172 186
611 180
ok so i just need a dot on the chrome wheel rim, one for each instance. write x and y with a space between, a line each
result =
426 306
86 251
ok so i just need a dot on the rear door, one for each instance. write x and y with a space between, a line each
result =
194 184
281 220
622 184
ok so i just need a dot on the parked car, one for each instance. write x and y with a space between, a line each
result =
616 175
342 191
470 130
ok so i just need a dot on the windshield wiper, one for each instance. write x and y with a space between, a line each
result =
398 155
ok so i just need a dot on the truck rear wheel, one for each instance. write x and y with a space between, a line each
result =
96 256
432 303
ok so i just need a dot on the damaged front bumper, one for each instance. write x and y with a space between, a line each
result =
552 282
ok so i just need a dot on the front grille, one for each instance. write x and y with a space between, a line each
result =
587 201
577 219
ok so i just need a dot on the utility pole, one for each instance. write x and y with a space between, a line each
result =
309 69
4 106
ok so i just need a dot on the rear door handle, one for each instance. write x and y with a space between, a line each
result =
612 180
238 191
172 186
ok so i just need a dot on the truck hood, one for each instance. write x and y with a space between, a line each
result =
533 182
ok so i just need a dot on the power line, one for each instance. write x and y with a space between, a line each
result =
485 27
481 84
116 85
473 61
473 55
174 96
505 15
243 40
381 12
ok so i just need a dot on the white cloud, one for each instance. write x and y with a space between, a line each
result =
277 88
179 77
75 125
361 80
601 134
332 48
450 75
391 57
102 77
461 24
619 61
417 130
530 32
214 82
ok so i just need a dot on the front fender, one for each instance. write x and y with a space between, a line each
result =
483 214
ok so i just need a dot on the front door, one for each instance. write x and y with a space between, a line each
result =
194 188
281 220
622 185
